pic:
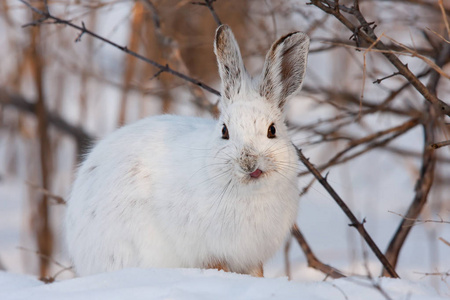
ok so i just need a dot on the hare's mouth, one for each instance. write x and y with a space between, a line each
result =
255 174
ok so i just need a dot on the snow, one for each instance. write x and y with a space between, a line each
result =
205 284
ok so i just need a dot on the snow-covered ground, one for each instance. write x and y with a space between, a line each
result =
207 284
371 185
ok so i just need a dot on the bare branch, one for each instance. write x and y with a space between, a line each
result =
354 221
83 30
423 186
364 32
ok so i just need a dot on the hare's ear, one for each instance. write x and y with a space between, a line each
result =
285 68
231 66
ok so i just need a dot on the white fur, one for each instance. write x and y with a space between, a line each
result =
168 191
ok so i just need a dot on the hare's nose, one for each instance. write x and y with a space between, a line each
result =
248 161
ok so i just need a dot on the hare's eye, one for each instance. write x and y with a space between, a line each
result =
225 135
271 131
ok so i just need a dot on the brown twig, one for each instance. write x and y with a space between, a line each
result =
56 198
42 255
441 274
84 30
444 16
359 226
444 241
51 279
313 261
416 221
378 81
155 15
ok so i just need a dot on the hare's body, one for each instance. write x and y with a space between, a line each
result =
139 225
173 191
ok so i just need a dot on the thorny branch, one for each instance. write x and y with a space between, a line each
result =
359 226
46 16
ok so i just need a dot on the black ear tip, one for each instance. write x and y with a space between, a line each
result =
297 36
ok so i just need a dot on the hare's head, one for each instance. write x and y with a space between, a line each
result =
254 140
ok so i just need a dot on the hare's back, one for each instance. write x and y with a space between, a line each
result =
131 161
116 186
133 153
150 139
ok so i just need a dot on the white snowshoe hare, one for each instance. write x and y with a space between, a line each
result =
184 192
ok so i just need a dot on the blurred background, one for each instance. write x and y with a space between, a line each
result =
61 91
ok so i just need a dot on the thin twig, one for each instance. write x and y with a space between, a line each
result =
155 15
444 16
416 221
208 3
48 279
57 199
378 81
444 241
441 274
364 71
43 256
